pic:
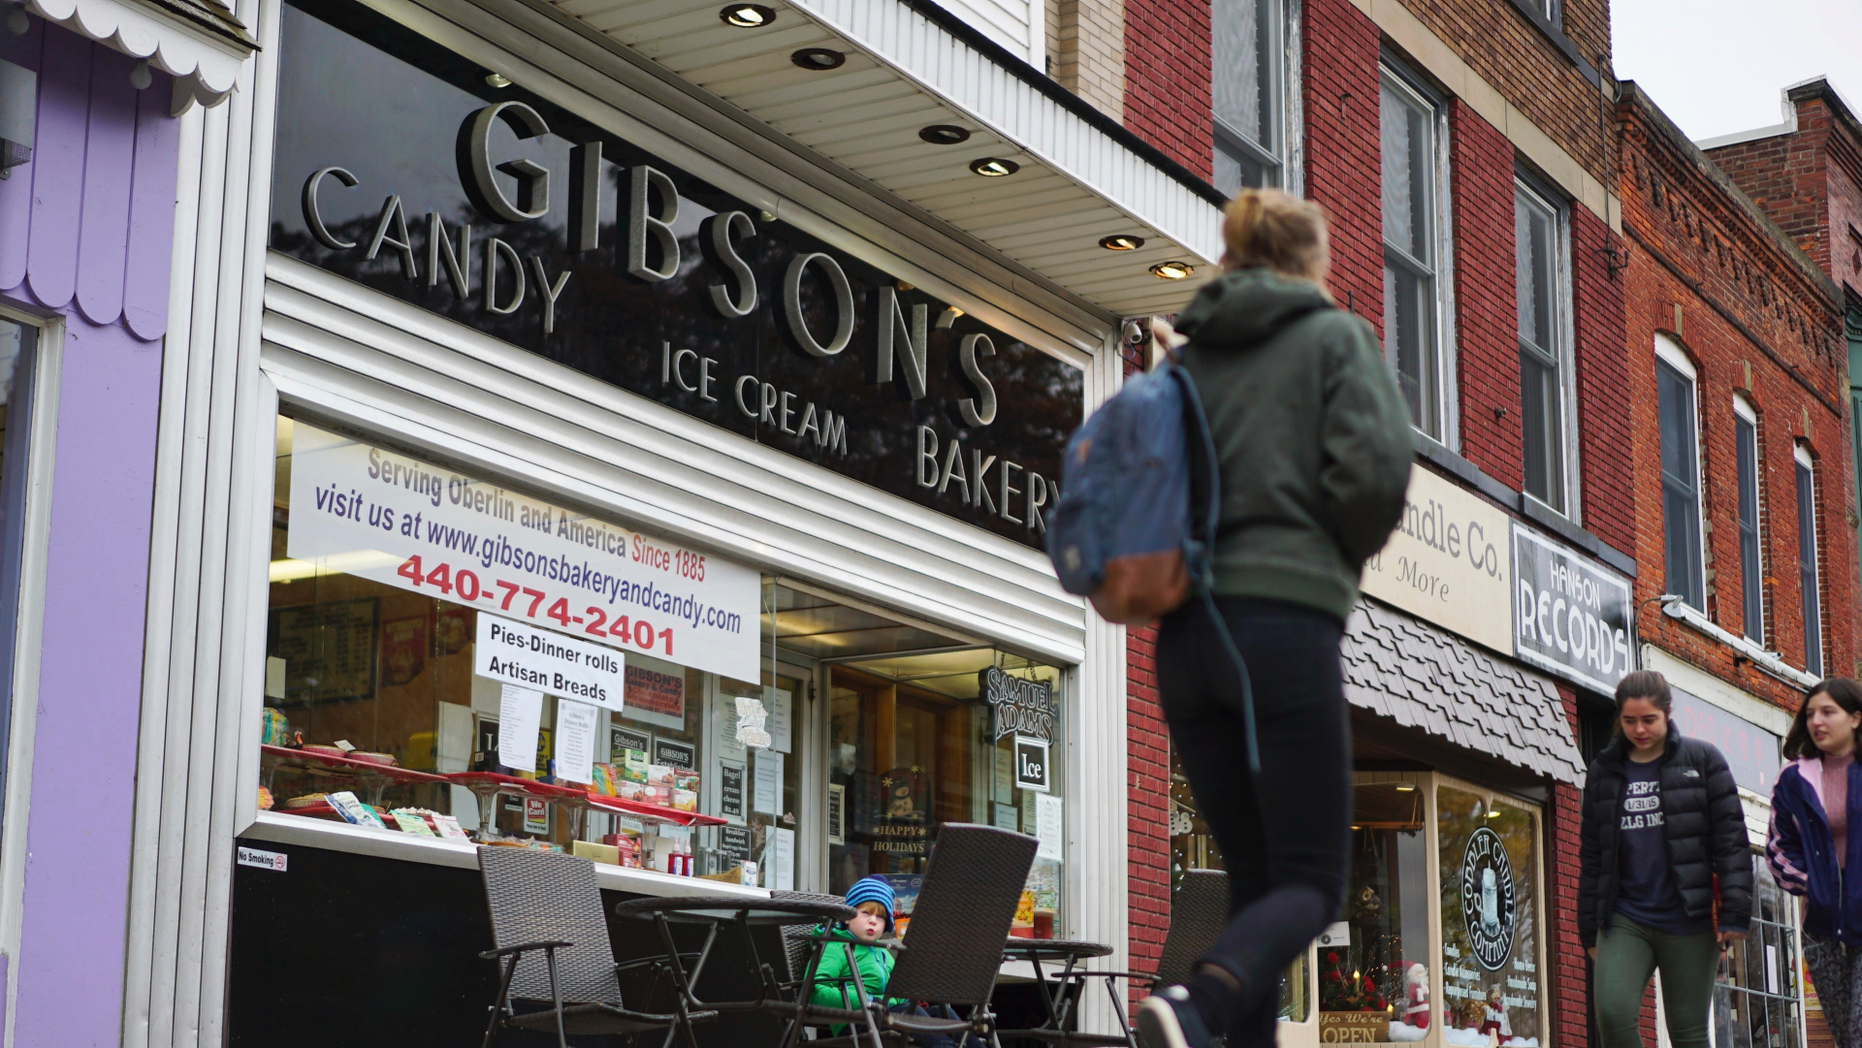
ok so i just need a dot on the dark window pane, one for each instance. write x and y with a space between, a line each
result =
1680 496
1745 437
1543 445
1807 570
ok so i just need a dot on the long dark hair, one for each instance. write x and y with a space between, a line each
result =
1842 691
1643 684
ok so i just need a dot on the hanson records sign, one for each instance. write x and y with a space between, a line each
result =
1569 615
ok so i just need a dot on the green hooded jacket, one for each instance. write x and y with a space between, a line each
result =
831 990
1311 431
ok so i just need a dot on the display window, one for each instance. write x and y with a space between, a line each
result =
1439 939
450 657
1757 997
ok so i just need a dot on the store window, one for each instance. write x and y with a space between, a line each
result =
1812 604
1751 567
397 586
1248 65
1680 441
1413 224
1491 957
1758 1004
1373 971
17 368
1541 285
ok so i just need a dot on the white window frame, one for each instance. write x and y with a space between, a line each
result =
1813 602
1743 410
1569 481
1669 353
28 616
1392 71
1281 153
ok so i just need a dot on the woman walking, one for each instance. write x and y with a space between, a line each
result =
1314 447
1661 821
1810 848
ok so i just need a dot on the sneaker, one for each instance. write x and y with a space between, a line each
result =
1169 1019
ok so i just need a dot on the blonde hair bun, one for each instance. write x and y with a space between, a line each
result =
1266 227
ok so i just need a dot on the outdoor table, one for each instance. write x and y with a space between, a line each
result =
714 912
1058 1001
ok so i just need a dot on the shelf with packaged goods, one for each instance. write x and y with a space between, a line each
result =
635 809
372 776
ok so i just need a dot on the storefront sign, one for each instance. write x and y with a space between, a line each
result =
1751 752
508 214
1446 562
621 739
1572 617
675 754
661 694
1019 706
1031 763
733 847
517 653
399 521
1487 898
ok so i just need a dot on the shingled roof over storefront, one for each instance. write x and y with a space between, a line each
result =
1423 677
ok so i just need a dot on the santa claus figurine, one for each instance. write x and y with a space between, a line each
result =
1416 997
1495 1024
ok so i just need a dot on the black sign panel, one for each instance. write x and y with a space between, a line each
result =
731 790
398 165
1019 706
1571 616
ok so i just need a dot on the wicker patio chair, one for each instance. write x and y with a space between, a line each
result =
798 942
1198 913
952 952
546 903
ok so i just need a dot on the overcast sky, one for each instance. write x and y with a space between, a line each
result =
1717 66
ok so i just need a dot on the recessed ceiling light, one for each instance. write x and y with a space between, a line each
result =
994 167
1121 242
497 80
944 134
1173 270
747 16
818 58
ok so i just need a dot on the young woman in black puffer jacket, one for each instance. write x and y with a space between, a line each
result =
1661 821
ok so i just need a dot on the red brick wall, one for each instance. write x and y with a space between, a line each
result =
1167 94
1343 161
1605 466
1569 1016
1674 213
1148 797
1486 313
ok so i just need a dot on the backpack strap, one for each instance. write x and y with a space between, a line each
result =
1200 557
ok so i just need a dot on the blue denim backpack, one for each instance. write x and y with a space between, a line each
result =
1139 504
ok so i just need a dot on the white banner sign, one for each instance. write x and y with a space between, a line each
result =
1447 562
548 661
397 520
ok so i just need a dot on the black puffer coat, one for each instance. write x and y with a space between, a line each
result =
1705 829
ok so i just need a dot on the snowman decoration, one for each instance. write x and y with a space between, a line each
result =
1416 997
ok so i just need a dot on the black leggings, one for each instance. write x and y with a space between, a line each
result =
1284 837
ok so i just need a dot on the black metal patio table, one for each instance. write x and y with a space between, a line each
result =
1066 986
716 913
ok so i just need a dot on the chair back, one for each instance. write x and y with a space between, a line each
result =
1198 913
953 947
795 944
537 895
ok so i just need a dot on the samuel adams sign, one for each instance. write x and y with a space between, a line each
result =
400 166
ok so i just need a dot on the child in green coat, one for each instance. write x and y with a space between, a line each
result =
872 900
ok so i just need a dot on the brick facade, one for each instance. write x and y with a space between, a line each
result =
1755 318
1486 310
1340 54
1167 87
1607 475
1148 800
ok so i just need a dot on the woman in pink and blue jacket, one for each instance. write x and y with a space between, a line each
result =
1810 848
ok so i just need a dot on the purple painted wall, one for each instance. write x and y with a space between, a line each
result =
85 231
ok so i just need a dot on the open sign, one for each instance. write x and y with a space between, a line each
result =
1031 763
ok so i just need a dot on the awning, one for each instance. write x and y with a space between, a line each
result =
198 42
1422 677
908 66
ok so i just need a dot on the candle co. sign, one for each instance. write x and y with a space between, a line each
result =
399 167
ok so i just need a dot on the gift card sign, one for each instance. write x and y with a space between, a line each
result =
1031 763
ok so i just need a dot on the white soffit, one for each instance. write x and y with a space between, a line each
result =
198 42
903 72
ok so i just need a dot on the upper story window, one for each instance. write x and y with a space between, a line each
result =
1413 171
1807 563
1542 284
1680 438
1751 568
1248 84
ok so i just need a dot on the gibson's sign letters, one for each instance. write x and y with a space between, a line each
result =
400 166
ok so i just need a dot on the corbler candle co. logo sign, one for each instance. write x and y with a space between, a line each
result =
1487 898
